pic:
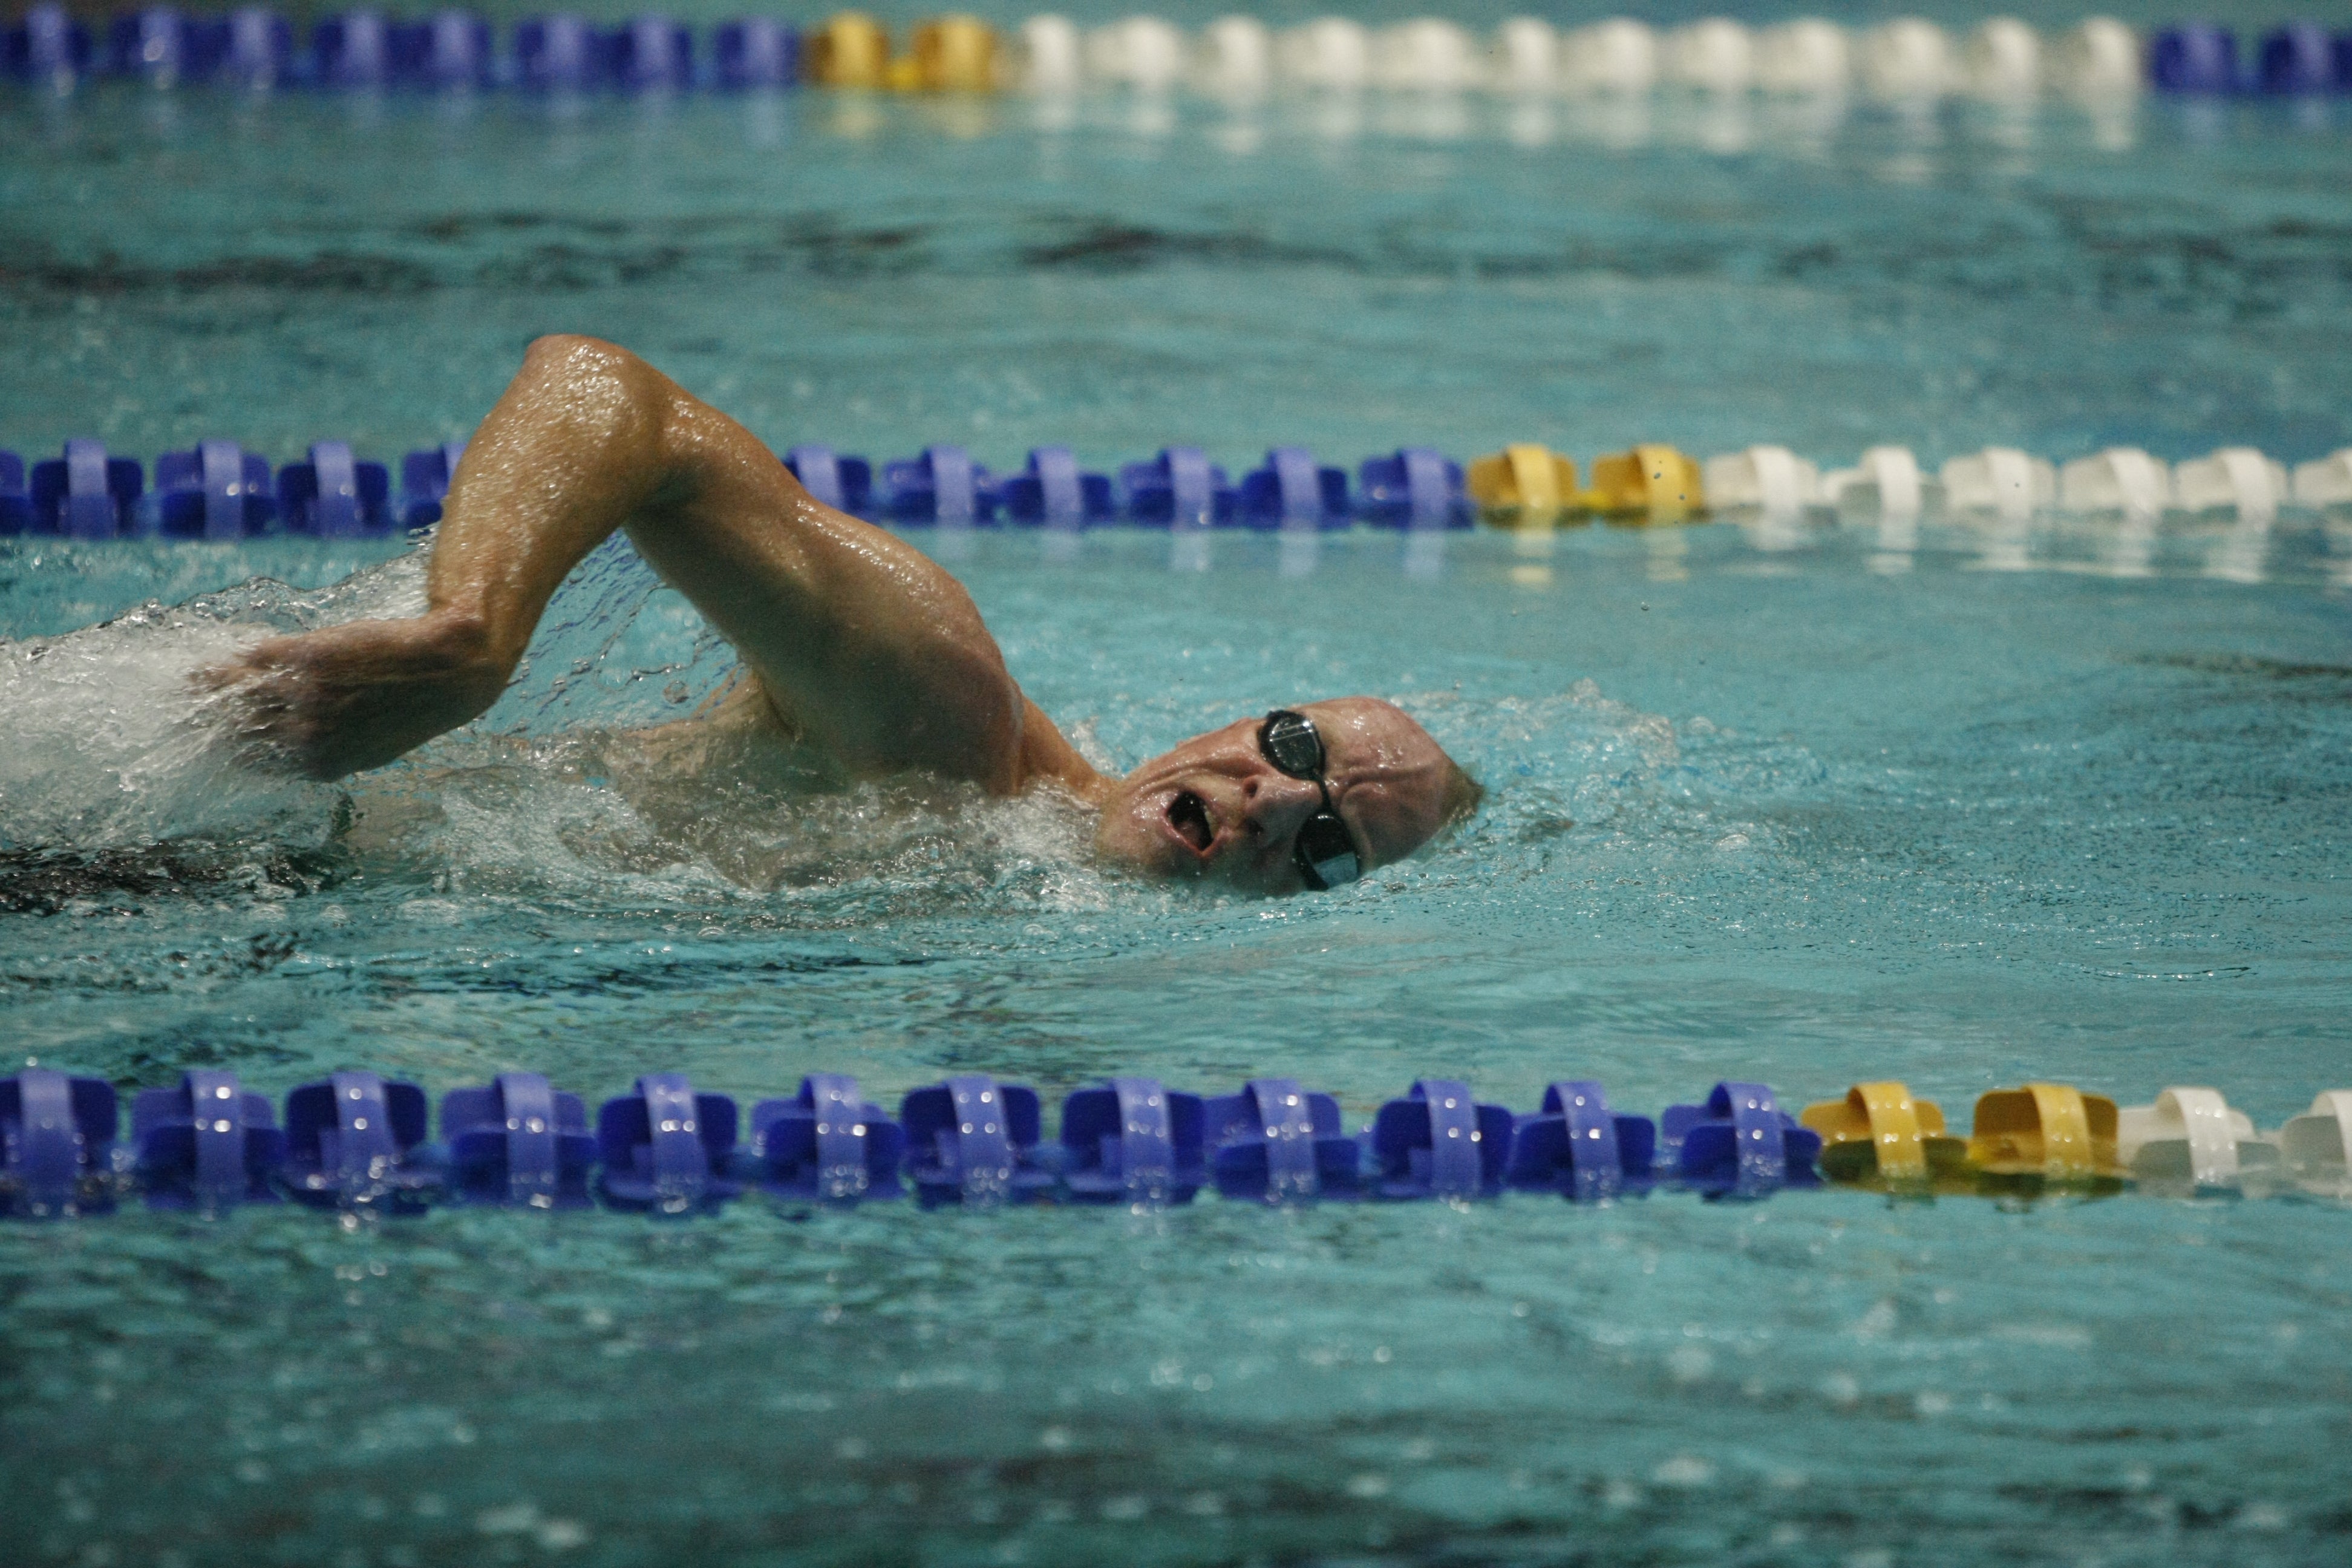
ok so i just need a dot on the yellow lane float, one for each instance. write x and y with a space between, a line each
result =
951 54
1879 1133
2046 1131
1648 484
1523 482
849 48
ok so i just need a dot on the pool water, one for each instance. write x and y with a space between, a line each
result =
1958 806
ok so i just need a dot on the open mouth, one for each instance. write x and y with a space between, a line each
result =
1188 814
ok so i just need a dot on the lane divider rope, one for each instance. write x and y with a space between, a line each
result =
357 1140
220 491
1905 59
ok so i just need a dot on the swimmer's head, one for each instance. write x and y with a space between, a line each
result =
1217 806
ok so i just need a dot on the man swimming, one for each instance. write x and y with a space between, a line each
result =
864 656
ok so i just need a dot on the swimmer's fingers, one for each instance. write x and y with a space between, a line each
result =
247 701
349 698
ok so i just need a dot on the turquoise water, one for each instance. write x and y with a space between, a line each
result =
1961 808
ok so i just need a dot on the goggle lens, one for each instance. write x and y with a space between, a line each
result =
1290 743
1325 854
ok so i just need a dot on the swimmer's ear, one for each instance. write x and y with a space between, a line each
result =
1463 796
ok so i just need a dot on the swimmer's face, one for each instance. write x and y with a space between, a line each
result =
1216 808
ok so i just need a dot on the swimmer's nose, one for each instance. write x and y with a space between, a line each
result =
1275 805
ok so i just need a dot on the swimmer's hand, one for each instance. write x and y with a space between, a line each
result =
349 698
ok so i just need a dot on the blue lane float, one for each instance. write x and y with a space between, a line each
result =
353 49
207 1143
972 1140
424 482
217 490
756 52
15 501
562 53
844 483
517 1140
1577 1146
827 1143
159 44
1291 489
47 46
653 54
450 49
1052 492
258 49
1277 1142
85 493
667 1147
1413 488
1132 1140
57 1143
1439 1142
941 485
351 1139
2299 58
335 495
1177 488
2195 58
1739 1142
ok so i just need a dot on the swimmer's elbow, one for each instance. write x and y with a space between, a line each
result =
579 352
587 381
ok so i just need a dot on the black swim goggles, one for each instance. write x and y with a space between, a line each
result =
1324 849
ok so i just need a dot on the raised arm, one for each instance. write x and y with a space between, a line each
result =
869 651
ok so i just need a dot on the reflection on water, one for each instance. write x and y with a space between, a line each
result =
1425 553
1188 548
2238 555
1911 138
1302 547
1669 554
2129 548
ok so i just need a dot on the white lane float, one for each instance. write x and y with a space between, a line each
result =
1234 59
2099 59
2002 61
1907 59
1887 480
1047 56
1145 53
1618 56
2324 482
1425 55
2190 1135
1523 57
1329 52
1716 55
1807 56
2001 482
2316 1147
2121 479
2236 481
1771 480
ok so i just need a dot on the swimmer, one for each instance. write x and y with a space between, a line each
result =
864 658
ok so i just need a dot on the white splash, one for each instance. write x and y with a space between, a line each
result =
111 745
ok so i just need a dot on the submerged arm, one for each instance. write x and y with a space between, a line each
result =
876 656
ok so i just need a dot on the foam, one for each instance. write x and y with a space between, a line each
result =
112 746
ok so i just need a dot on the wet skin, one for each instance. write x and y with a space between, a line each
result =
863 653
1214 807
